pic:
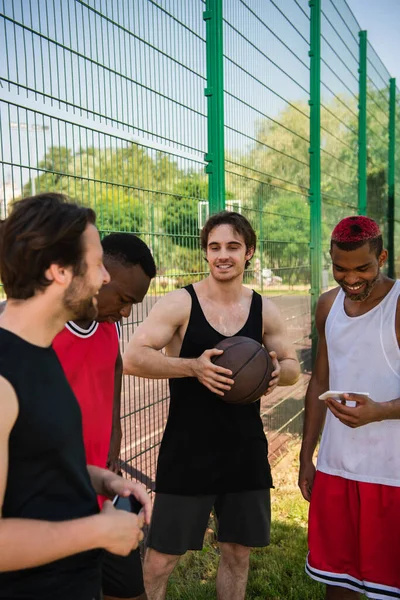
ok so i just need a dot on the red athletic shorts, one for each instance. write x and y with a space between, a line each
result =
354 536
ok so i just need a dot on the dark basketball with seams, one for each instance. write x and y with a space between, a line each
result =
251 367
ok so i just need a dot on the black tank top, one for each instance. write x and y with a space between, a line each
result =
210 446
47 474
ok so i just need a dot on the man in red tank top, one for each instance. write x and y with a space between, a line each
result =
90 356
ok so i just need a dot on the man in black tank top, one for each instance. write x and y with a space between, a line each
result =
212 453
51 534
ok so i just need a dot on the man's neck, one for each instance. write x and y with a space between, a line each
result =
85 324
34 320
224 292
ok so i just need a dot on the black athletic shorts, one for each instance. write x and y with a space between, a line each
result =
178 523
122 576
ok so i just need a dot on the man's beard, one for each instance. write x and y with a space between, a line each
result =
82 309
364 294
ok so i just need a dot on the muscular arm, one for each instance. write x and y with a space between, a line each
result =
315 409
116 431
143 357
275 339
28 543
161 328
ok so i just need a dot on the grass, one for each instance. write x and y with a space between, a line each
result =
276 572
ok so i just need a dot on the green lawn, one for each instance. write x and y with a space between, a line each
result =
276 572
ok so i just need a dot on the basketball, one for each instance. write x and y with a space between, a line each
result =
251 367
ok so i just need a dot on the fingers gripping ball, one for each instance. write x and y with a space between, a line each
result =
251 367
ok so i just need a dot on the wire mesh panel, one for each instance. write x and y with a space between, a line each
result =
378 138
104 101
266 70
397 187
339 119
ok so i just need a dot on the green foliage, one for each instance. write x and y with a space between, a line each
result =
148 192
285 235
180 217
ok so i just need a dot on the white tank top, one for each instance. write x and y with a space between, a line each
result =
364 356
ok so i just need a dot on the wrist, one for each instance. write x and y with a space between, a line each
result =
101 530
191 367
384 411
107 479
306 454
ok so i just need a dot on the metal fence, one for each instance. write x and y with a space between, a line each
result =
158 112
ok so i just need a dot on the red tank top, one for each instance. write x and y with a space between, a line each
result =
88 357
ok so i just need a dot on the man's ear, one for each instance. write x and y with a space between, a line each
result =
59 274
250 253
382 258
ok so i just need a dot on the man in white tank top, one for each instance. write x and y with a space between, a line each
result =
354 523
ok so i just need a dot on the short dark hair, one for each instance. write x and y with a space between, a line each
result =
353 232
239 223
40 230
129 249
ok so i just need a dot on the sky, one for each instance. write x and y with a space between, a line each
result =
381 19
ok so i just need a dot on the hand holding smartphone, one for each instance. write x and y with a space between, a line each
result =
129 503
336 395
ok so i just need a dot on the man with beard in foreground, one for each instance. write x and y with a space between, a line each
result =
51 532
354 527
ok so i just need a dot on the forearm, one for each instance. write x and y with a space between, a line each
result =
26 543
290 371
116 415
99 478
314 417
390 410
153 364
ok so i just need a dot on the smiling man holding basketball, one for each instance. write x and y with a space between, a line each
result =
212 453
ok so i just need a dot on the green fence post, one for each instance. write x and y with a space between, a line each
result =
362 125
215 105
391 176
315 162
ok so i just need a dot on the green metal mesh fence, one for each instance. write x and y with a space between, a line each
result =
339 120
397 187
267 172
104 100
378 138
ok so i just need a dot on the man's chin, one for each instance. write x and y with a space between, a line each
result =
358 297
108 319
89 314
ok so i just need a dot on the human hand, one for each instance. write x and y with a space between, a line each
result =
306 478
123 530
275 373
366 410
215 378
114 484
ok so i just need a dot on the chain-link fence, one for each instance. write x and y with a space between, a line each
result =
104 100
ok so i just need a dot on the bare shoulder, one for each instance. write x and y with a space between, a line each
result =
8 405
174 306
325 302
273 321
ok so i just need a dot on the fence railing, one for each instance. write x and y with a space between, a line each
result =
159 112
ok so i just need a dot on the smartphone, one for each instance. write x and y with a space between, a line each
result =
130 504
339 395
